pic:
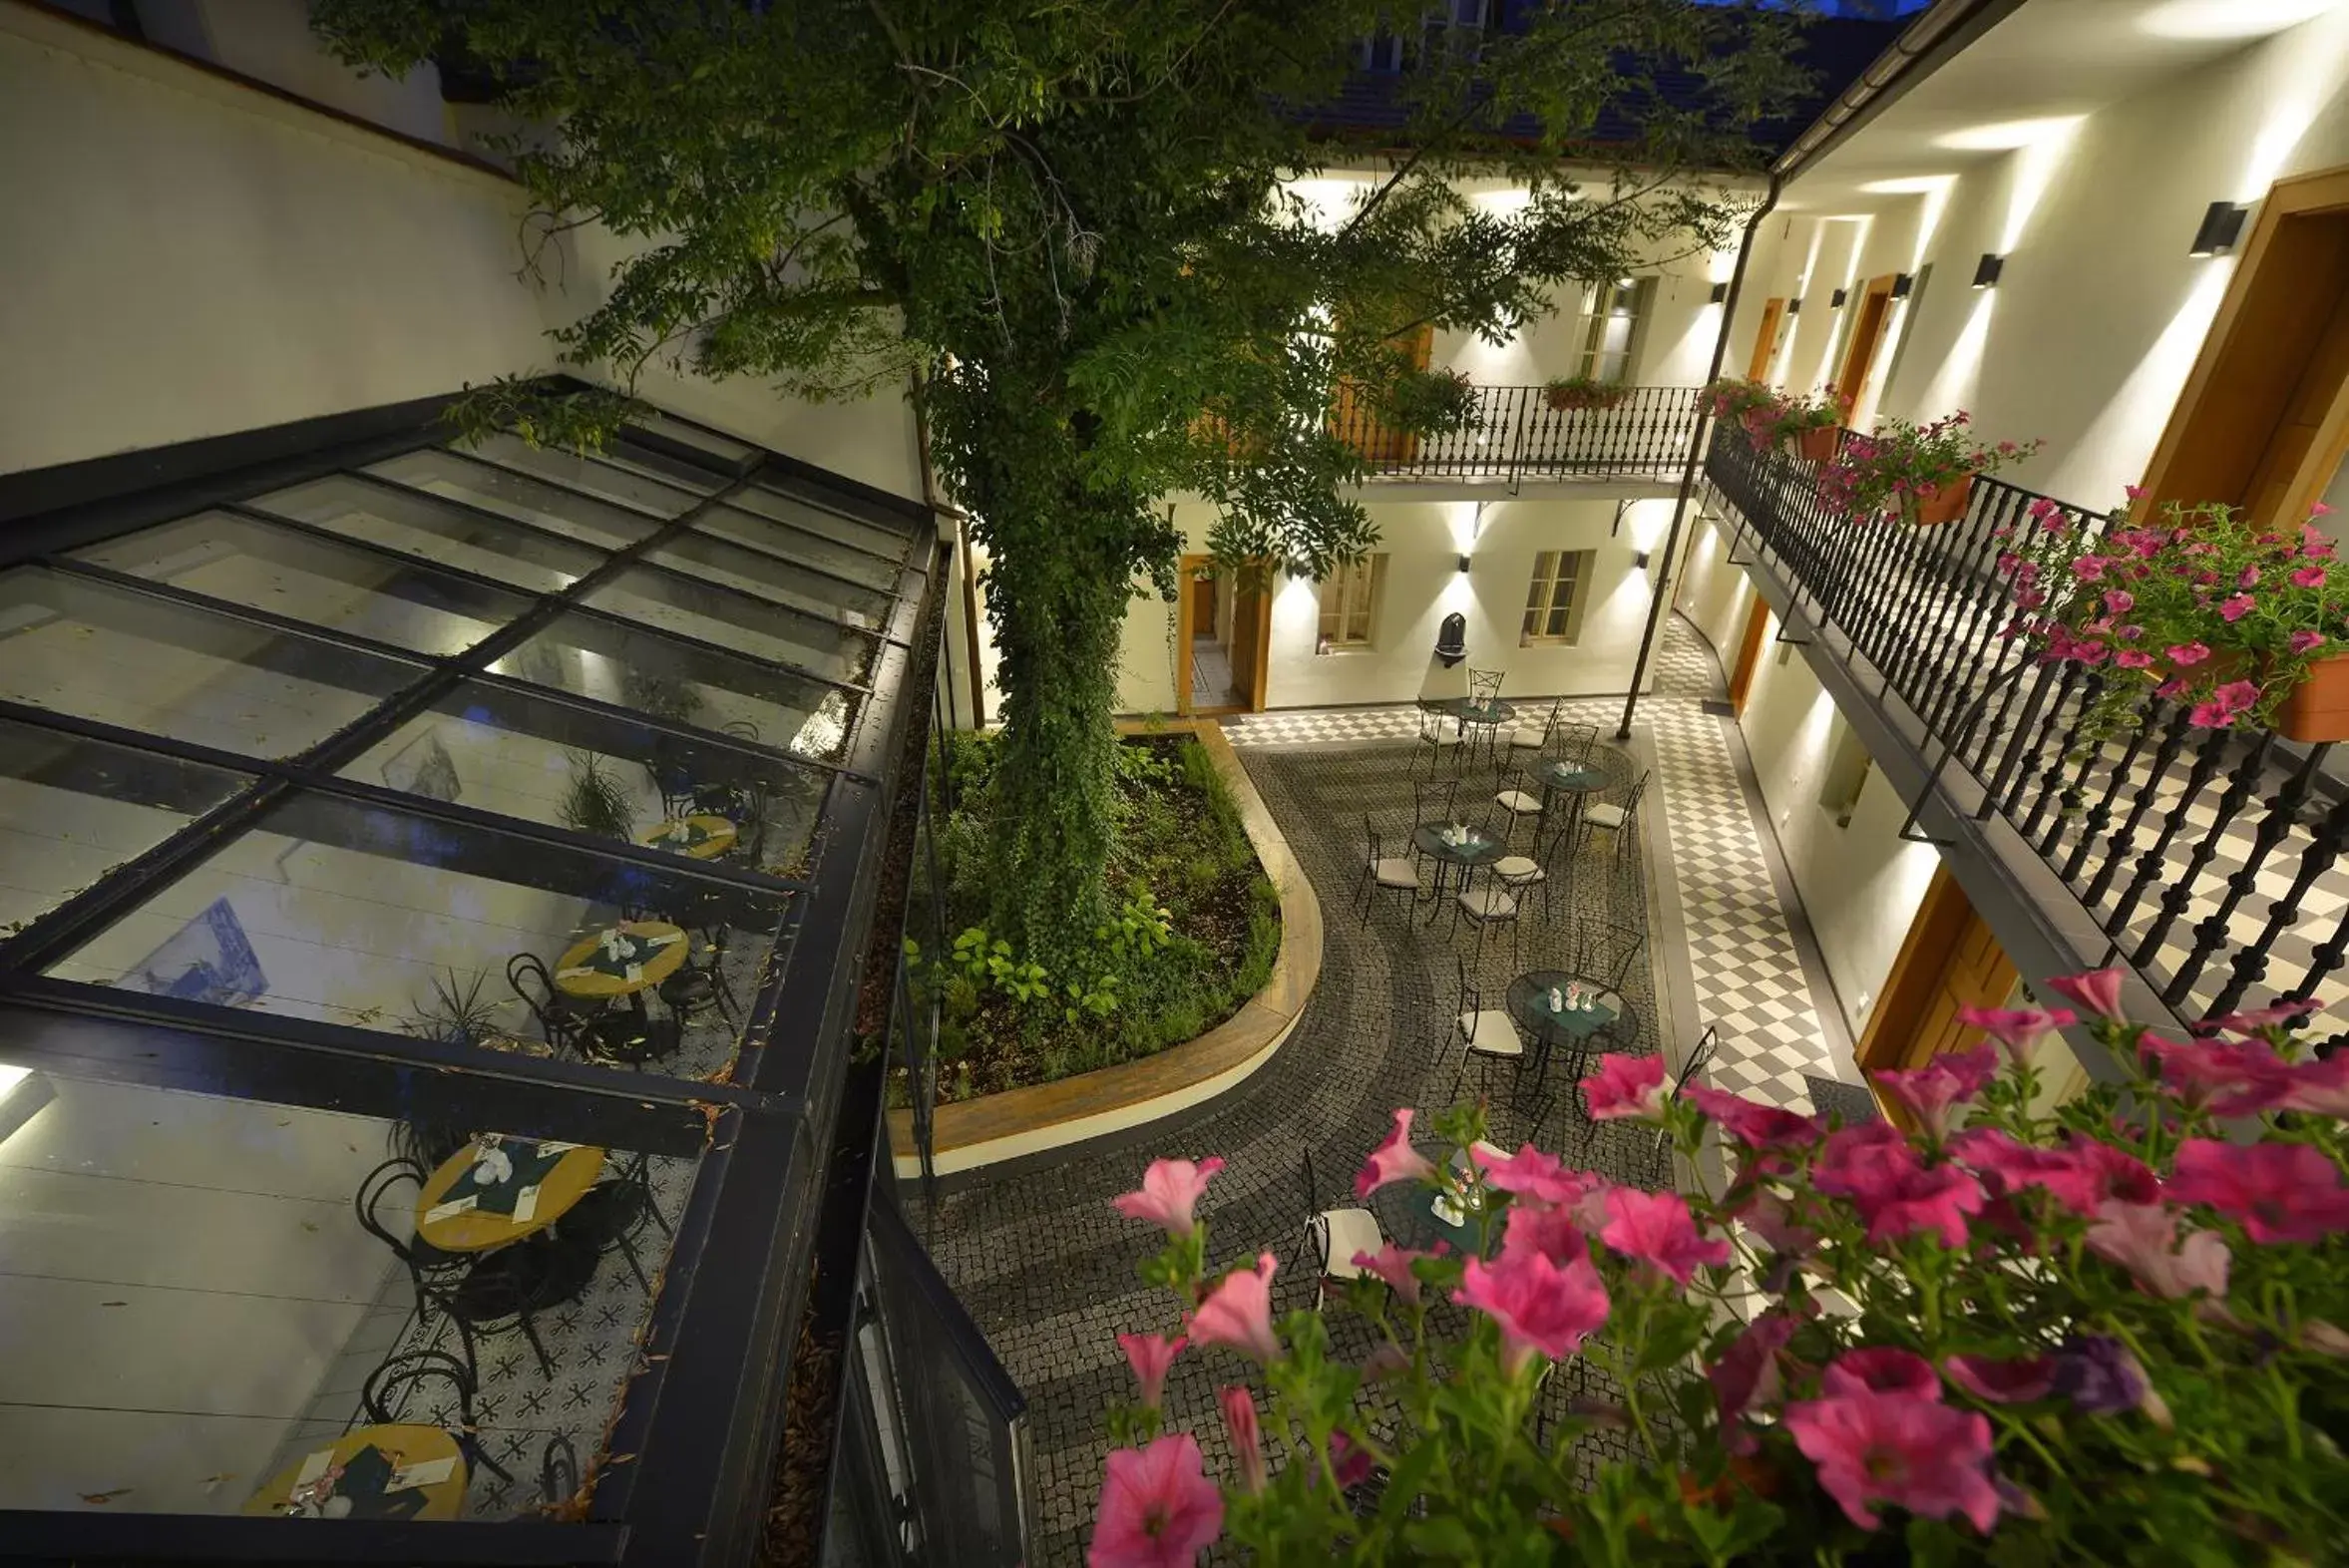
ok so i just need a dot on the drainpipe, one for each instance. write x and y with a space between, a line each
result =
1662 598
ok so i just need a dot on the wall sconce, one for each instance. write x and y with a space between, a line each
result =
1835 301
1902 282
1795 306
1464 562
1639 558
1987 269
2222 226
1720 291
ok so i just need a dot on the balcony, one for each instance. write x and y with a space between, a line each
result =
1517 435
2206 860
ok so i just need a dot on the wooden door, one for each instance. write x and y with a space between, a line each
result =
1765 341
2263 421
1949 960
1359 425
1203 594
1252 609
1749 655
1186 623
1867 336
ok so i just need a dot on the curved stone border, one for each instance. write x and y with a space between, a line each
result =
1018 1122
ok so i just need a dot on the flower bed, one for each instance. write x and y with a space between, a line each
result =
2107 1335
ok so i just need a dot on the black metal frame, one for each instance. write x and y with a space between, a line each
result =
1517 435
694 1444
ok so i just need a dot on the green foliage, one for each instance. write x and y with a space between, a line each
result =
1137 931
1432 402
1077 226
582 419
455 1014
594 801
1571 392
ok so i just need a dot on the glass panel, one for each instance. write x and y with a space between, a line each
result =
552 762
700 476
240 561
613 662
753 571
72 810
359 914
1557 622
195 1302
147 663
808 517
401 520
695 436
573 472
697 610
757 532
500 490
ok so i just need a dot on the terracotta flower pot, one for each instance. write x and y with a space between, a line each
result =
1938 504
2318 709
1562 398
1816 446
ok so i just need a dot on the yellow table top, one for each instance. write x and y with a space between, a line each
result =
401 1443
717 835
660 949
478 1230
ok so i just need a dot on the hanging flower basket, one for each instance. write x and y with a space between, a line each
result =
1816 446
1934 505
1568 393
1918 472
2317 711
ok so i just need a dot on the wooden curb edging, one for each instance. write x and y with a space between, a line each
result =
1015 1123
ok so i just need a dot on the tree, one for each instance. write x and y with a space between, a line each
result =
1076 226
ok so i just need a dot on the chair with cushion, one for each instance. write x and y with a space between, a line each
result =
1439 734
1521 798
1543 868
1334 1236
1485 901
1485 690
1484 1036
1622 820
1572 742
430 1389
1384 873
1537 737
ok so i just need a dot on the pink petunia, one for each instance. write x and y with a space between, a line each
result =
1994 1381
2248 577
1934 1092
1393 1160
1535 1177
2230 1078
1170 1194
1239 1311
1239 1408
2090 568
1626 1087
1918 1454
2310 577
1882 1368
2305 642
1767 1216
2017 1029
2260 1021
1656 1229
1557 1234
1150 1355
1352 1465
1392 1264
1852 1154
1919 1199
1747 1374
2082 1174
2281 1192
2097 991
2142 1237
2319 1087
1756 1125
2131 658
1539 1306
2186 654
1158 1508
2120 602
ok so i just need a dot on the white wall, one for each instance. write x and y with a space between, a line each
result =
1715 596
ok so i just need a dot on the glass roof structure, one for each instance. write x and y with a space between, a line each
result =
433 889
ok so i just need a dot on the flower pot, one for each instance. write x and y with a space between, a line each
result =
1816 446
1937 504
2318 709
1562 398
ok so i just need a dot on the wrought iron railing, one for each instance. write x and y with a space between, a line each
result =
1516 434
2207 857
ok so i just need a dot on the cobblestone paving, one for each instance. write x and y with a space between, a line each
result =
1047 1269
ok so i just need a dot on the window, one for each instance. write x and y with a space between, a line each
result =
1349 602
1612 314
1846 775
1553 604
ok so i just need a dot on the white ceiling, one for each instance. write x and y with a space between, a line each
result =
2050 61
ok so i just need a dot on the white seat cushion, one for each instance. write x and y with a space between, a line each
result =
1603 816
1516 800
1395 871
1519 868
1347 1231
1488 903
1528 737
1491 1033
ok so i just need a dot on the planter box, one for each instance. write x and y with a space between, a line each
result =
1936 505
2318 709
1818 446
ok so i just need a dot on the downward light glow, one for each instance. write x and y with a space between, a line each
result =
2230 18
1907 185
2007 135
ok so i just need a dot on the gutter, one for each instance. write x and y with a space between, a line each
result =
1923 46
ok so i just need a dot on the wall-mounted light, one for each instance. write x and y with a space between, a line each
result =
1795 306
1835 301
1987 269
2222 226
1720 291
1639 558
1902 282
1464 562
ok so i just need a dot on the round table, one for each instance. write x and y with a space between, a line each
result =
561 1181
1480 849
1487 716
1563 778
1529 1004
703 835
622 960
1418 1224
398 1445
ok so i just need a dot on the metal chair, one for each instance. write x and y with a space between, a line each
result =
1492 904
1606 951
1334 1236
1523 799
1432 799
1484 687
1622 821
1700 1057
1485 690
429 1268
1485 1035
1537 737
563 1021
609 1216
1540 869
1438 733
1574 742
400 1383
559 1472
1383 873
